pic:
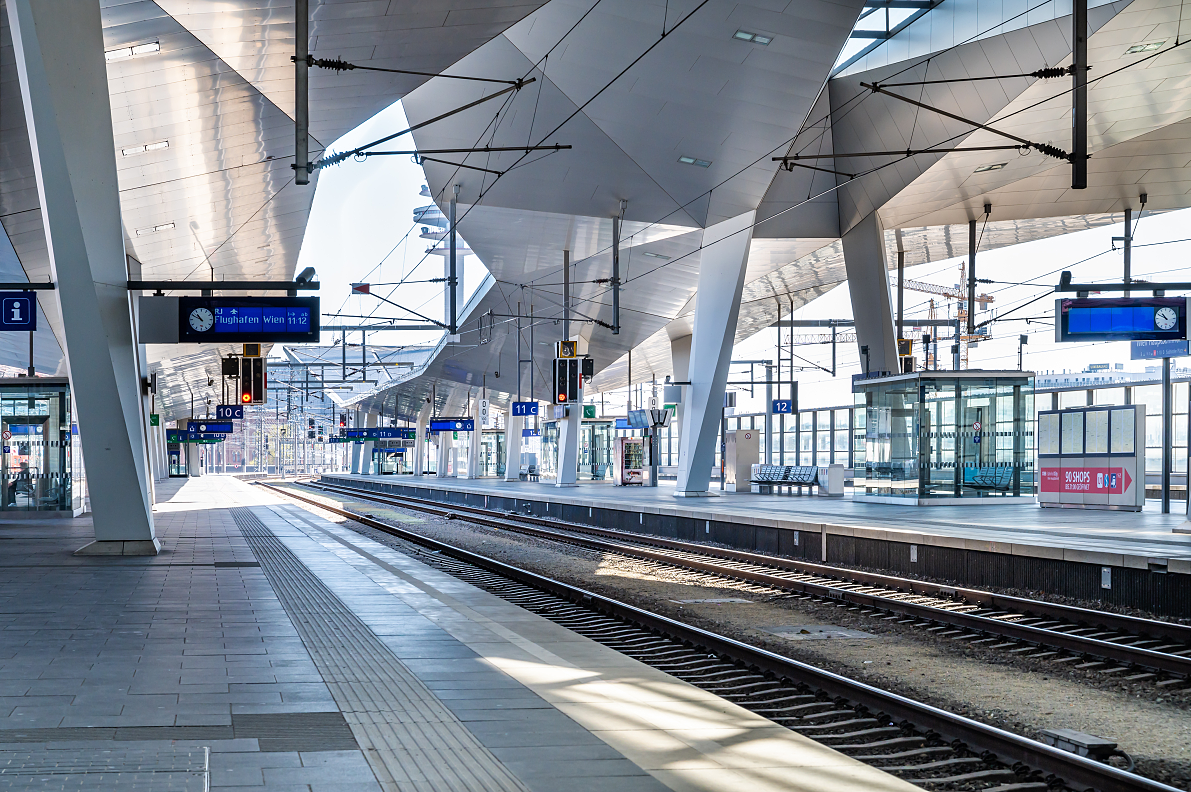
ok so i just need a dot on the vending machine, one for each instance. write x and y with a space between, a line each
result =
628 463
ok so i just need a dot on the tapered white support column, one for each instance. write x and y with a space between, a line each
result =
473 447
568 445
680 364
868 286
194 465
366 458
444 455
512 450
420 441
58 46
717 307
356 449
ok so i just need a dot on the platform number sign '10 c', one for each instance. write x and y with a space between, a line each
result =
18 311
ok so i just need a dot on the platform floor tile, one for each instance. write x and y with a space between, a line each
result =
684 737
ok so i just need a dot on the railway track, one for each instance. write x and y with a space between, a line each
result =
1113 644
925 745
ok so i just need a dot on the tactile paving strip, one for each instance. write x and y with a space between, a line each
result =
410 737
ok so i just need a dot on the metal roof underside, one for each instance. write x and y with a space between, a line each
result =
701 94
630 101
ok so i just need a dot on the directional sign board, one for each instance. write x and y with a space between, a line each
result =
18 311
1148 350
210 427
224 320
525 408
229 412
452 425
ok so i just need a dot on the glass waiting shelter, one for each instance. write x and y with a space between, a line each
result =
36 465
937 437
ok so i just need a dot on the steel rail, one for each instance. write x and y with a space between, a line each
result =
1130 655
1008 747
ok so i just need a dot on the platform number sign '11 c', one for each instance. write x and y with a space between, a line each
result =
18 311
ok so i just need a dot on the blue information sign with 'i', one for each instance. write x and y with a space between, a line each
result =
18 311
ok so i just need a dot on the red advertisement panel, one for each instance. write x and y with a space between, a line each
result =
1090 480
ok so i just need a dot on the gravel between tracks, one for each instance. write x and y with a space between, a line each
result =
1003 690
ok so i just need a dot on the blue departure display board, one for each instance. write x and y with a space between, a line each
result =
1121 319
223 320
217 427
382 433
452 425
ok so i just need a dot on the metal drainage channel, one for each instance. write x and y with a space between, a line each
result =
924 745
1108 643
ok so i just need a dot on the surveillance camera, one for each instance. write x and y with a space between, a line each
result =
305 276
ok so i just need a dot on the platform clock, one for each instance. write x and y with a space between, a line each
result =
202 320
1166 318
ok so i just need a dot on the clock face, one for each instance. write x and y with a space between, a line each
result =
201 319
1166 318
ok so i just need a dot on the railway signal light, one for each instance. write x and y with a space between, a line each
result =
253 380
566 380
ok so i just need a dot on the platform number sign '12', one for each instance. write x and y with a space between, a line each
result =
18 311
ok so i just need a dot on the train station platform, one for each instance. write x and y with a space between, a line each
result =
1109 555
268 648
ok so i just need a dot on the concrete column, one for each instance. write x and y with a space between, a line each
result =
513 427
868 286
568 444
366 466
680 364
721 281
420 442
58 46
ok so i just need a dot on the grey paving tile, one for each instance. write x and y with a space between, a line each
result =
320 775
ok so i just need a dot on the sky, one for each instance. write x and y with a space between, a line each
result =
1036 266
361 230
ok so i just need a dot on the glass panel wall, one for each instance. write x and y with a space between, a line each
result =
36 463
947 437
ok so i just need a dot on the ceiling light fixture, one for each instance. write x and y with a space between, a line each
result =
1153 45
154 229
754 38
993 167
123 53
134 150
685 160
654 255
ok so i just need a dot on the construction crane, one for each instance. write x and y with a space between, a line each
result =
955 293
